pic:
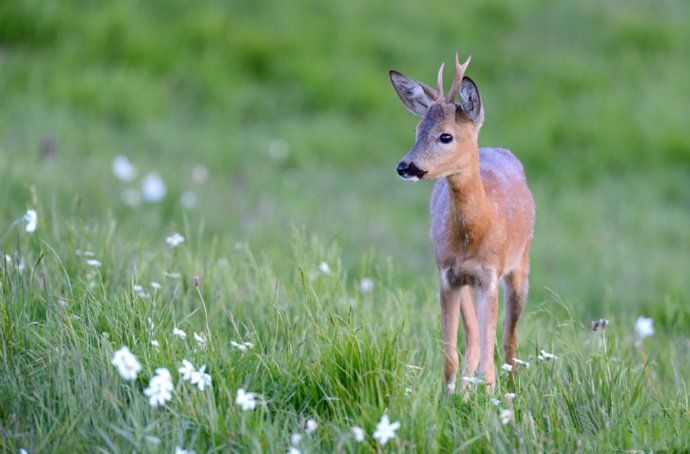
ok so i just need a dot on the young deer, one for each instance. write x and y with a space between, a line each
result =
482 216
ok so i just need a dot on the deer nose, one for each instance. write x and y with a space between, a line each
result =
409 170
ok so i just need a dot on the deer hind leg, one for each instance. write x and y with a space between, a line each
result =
450 313
516 287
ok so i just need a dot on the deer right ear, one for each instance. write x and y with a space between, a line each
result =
416 96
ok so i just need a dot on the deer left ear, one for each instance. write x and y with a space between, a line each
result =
470 102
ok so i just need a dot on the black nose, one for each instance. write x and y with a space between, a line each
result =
410 170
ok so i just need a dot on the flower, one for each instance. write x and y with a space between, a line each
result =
160 388
151 325
366 285
31 219
155 285
324 268
507 368
127 364
358 433
199 173
155 343
188 200
181 450
131 197
506 416
200 379
243 346
152 187
179 333
385 430
246 401
93 262
123 169
175 239
545 355
200 339
186 370
311 426
473 380
519 362
509 396
295 439
496 402
644 327
293 450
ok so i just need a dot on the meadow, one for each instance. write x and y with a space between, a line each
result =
267 137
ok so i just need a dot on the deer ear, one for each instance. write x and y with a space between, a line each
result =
470 102
416 96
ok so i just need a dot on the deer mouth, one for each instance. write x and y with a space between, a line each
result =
409 171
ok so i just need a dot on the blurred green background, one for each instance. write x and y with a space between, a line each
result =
289 107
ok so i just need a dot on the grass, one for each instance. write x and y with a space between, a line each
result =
292 113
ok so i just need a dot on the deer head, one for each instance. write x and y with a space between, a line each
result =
446 138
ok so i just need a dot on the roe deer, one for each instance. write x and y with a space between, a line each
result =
482 217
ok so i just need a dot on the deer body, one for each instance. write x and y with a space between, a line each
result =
482 216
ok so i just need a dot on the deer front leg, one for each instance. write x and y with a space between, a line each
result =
469 319
487 302
450 313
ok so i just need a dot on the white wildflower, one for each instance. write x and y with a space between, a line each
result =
175 239
200 379
545 355
31 219
199 173
366 285
186 370
126 363
473 380
496 402
123 169
413 367
324 268
152 187
151 325
188 200
153 440
171 275
311 426
23 451
385 430
179 333
181 450
246 401
509 396
408 391
131 197
507 368
155 285
244 346
506 416
358 433
519 362
138 289
160 388
93 262
644 327
293 450
200 339
155 344
295 439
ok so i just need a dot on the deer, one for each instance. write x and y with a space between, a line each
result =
482 222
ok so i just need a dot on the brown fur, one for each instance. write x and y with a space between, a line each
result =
482 216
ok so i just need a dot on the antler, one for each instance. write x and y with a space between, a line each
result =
439 95
459 73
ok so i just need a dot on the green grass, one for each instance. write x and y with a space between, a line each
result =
291 111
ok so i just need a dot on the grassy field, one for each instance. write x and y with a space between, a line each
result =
276 133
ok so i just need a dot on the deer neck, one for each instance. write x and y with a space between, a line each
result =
467 210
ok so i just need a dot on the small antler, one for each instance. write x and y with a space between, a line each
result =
457 81
439 95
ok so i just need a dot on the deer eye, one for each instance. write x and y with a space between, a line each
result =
445 138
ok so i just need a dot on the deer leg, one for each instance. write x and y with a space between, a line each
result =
487 302
469 319
450 313
516 286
